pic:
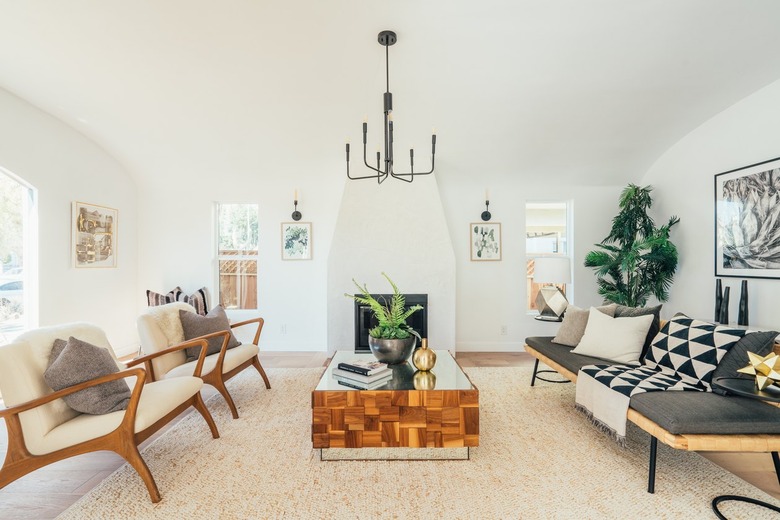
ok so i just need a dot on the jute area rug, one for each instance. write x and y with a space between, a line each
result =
538 458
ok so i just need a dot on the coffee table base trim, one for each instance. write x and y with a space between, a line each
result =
405 454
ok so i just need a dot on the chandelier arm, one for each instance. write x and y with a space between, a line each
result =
400 176
413 173
379 174
365 161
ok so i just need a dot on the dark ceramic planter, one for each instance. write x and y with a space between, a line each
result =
392 351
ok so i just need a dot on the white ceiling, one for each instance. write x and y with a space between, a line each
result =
590 91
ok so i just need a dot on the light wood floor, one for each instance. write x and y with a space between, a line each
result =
47 492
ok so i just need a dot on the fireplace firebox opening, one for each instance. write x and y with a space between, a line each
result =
365 320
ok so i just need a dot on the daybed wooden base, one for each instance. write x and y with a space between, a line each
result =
762 443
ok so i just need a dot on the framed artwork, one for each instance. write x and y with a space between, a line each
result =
296 240
485 239
93 235
747 221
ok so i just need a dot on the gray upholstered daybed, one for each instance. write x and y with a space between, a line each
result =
692 421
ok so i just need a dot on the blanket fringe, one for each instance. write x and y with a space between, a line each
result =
601 426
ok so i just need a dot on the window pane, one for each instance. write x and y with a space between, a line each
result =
545 235
238 284
13 208
238 229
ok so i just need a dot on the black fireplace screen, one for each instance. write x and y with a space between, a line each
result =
365 320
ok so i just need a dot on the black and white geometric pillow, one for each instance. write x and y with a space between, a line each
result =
691 349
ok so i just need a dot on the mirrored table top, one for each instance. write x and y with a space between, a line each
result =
447 374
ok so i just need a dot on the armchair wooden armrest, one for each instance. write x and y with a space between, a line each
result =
146 359
260 322
35 403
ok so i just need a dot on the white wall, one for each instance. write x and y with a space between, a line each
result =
177 246
64 166
493 294
744 134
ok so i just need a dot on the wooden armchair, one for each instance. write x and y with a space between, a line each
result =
42 429
160 327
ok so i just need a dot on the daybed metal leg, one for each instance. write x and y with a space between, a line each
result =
536 367
651 475
776 461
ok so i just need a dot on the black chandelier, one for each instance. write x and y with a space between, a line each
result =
388 38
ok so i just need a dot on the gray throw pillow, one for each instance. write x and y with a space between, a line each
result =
574 322
760 343
632 312
74 361
195 325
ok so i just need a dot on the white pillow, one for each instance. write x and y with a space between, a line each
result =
615 339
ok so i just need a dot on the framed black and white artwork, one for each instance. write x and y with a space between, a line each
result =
747 221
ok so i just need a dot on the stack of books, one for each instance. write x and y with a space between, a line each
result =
362 374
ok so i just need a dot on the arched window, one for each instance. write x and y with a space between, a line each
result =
18 256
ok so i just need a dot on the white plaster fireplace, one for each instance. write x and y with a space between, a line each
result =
398 228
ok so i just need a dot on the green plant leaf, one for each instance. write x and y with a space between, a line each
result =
391 316
636 259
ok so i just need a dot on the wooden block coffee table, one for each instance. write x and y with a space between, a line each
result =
347 421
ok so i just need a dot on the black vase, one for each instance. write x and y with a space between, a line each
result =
724 307
718 298
742 318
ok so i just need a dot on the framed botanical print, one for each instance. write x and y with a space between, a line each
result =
296 240
485 239
747 221
93 235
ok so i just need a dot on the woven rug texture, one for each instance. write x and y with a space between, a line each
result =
538 458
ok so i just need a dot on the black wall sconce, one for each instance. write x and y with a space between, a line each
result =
296 215
486 214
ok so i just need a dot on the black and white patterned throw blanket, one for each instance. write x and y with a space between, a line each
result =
683 356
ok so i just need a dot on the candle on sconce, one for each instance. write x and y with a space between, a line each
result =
296 191
486 194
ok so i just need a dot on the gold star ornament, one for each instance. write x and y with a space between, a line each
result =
766 369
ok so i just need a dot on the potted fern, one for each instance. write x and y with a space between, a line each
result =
392 340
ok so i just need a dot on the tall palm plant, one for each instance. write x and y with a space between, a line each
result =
636 260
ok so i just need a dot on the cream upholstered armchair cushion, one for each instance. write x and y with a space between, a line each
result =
160 328
43 429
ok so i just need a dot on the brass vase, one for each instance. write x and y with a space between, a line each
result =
424 358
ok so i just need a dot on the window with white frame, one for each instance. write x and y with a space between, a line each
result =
237 252
546 234
18 265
